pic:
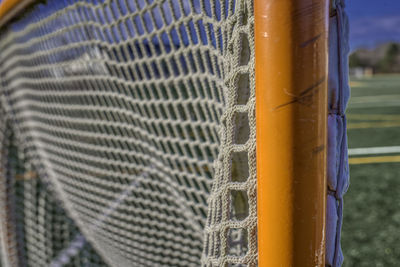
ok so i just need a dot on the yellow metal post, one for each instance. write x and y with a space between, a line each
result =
291 114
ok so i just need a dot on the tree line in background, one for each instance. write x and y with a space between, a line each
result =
383 59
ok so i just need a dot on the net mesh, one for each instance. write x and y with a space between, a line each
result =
42 230
128 135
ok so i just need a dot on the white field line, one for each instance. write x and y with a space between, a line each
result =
374 150
373 98
374 101
374 117
374 105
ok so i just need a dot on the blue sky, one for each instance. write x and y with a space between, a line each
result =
373 22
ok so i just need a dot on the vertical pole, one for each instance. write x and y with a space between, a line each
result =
291 115
10 8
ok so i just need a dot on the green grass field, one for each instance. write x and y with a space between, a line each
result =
371 227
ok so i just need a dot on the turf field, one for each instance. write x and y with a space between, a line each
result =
371 229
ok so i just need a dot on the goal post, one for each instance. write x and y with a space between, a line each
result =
10 8
291 112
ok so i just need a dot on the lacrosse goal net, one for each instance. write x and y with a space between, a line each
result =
128 133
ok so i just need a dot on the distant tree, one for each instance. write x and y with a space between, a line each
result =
385 58
354 61
390 61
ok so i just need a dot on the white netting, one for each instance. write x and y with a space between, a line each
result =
119 118
41 230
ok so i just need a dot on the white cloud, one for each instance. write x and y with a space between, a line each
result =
375 25
370 31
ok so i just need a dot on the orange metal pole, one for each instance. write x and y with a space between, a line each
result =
7 5
9 8
291 113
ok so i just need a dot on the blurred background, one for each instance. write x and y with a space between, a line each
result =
371 228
